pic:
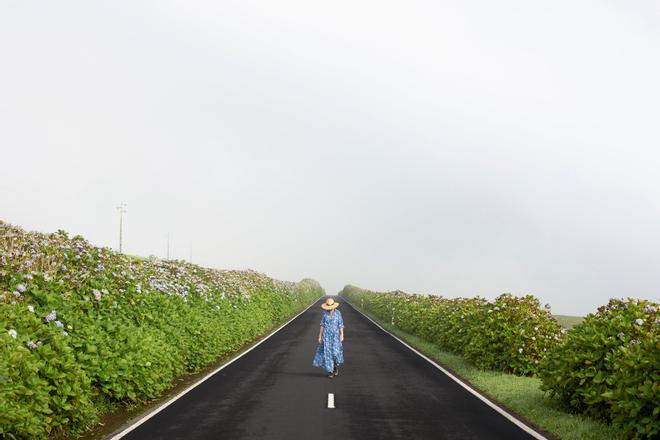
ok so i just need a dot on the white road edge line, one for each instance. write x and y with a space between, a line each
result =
508 416
178 396
331 401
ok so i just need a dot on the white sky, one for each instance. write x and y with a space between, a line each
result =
454 147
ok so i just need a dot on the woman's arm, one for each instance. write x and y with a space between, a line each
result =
321 334
341 328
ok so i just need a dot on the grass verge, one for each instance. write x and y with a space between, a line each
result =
568 322
520 395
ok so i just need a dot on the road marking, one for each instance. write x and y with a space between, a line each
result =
497 408
331 401
178 396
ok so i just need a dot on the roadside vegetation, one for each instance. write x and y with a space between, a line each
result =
568 321
84 328
599 380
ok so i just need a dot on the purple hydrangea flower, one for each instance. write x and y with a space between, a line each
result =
52 316
21 288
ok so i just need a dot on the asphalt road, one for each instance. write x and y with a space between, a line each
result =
384 391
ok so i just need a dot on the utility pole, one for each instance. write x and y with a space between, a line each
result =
122 210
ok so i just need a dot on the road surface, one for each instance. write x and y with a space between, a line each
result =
384 391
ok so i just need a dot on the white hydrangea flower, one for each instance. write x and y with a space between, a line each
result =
12 333
52 316
30 308
639 321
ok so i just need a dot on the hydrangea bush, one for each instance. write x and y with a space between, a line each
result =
82 325
609 367
508 334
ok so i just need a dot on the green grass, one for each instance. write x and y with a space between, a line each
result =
567 321
521 395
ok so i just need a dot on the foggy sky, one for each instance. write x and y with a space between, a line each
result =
454 147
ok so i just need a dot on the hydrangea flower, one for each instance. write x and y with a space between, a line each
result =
31 345
52 316
59 324
639 321
21 288
97 294
12 333
30 308
520 350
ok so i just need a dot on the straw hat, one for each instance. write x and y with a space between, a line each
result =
329 304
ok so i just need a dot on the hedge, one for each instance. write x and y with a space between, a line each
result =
81 326
508 334
607 367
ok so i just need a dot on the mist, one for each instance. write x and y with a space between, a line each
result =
452 148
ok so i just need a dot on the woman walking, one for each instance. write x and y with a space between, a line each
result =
330 352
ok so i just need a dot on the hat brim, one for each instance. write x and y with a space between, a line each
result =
324 306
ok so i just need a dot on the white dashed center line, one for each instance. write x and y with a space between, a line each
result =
331 400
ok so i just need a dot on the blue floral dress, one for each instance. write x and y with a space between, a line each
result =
330 351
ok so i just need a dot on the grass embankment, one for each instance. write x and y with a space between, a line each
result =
567 321
84 329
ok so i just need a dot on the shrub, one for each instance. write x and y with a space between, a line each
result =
609 367
81 325
509 334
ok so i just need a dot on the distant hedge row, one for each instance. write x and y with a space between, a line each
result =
608 366
509 334
81 326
